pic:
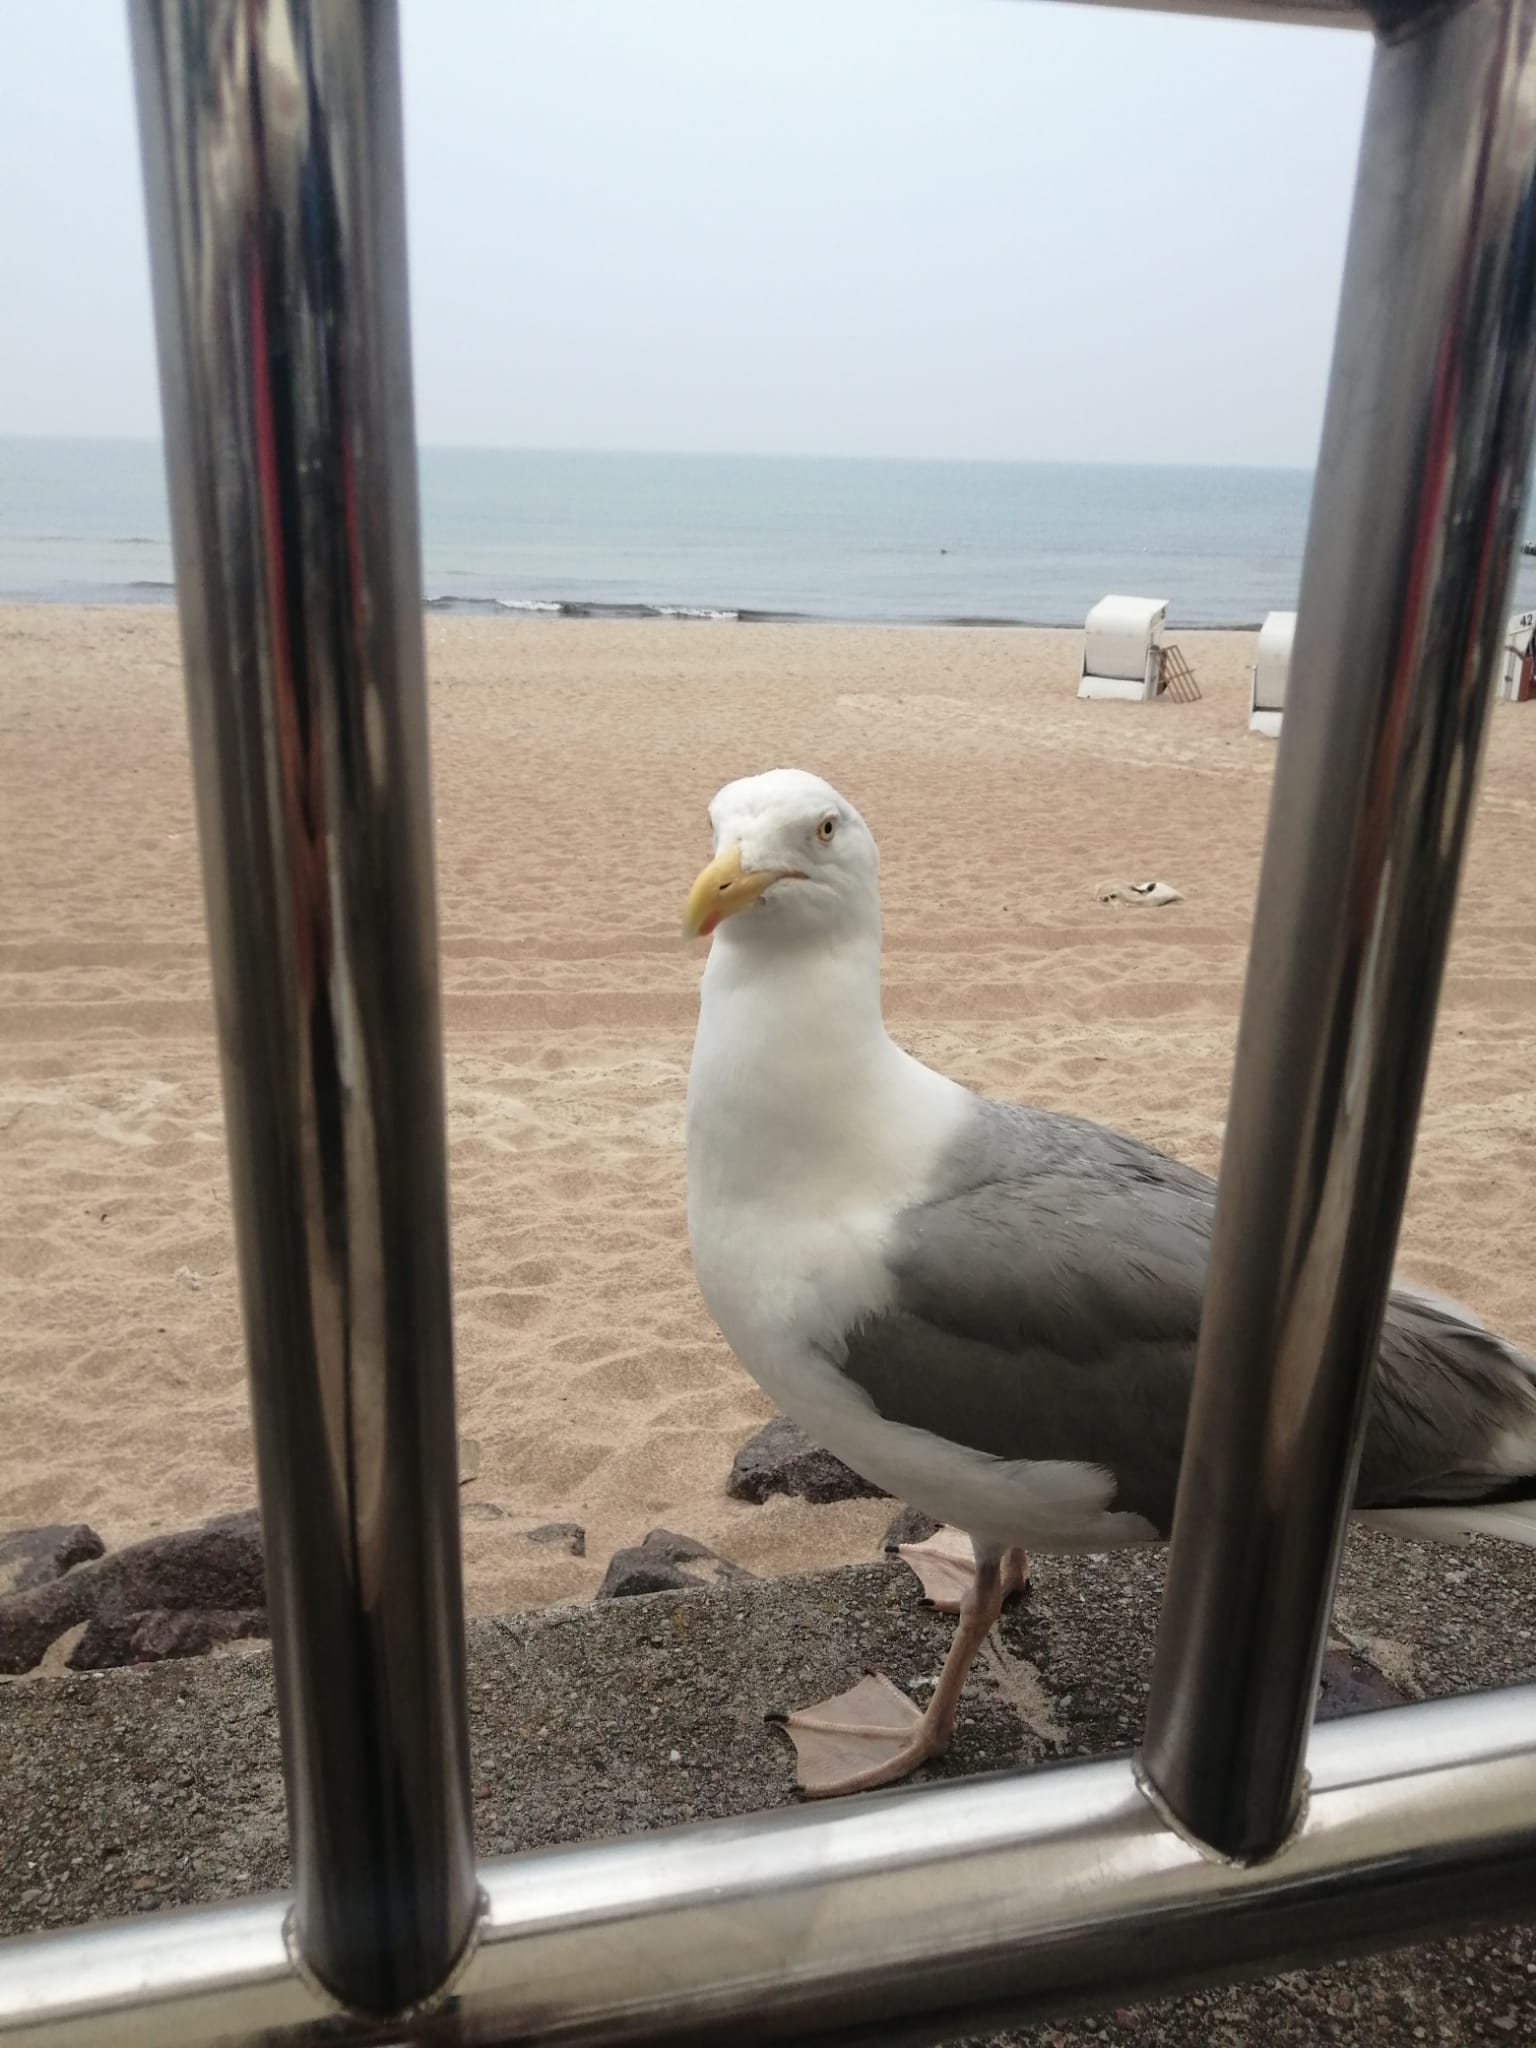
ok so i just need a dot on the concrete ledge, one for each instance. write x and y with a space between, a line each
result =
126 1791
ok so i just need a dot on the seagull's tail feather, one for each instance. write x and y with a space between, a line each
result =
1456 1416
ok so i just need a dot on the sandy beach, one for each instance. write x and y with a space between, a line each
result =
573 761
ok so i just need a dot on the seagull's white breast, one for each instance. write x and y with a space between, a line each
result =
808 1132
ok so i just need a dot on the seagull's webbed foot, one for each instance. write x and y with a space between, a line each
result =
872 1734
946 1568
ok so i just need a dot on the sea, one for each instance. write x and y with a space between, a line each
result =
518 531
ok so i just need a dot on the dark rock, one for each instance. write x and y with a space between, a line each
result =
481 1511
163 1632
245 1521
215 1569
910 1526
658 1565
35 1557
570 1534
781 1458
1351 1685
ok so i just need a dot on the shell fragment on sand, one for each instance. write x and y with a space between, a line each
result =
1134 893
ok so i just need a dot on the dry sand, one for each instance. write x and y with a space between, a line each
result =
573 763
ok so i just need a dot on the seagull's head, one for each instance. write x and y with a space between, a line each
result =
794 863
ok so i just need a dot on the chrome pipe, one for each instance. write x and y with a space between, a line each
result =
1282 13
271 138
911 1915
1416 510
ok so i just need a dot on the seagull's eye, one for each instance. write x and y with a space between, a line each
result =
825 829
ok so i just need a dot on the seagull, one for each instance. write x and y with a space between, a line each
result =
988 1310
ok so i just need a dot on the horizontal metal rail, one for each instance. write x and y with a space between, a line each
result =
1391 14
920 1914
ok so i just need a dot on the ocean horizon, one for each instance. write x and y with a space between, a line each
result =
747 537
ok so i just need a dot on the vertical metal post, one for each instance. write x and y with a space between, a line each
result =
271 135
1419 488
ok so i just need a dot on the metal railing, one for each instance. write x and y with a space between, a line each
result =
1241 1837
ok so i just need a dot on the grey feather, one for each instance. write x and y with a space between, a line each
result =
1047 1305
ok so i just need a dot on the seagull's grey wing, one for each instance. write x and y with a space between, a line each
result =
1047 1300
1047 1306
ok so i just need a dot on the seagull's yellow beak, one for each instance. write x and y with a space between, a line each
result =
721 890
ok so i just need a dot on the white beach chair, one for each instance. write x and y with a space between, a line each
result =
1517 678
1271 668
1123 649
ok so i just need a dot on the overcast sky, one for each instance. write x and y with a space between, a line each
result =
870 227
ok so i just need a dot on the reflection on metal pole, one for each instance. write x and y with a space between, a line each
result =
1425 452
273 167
